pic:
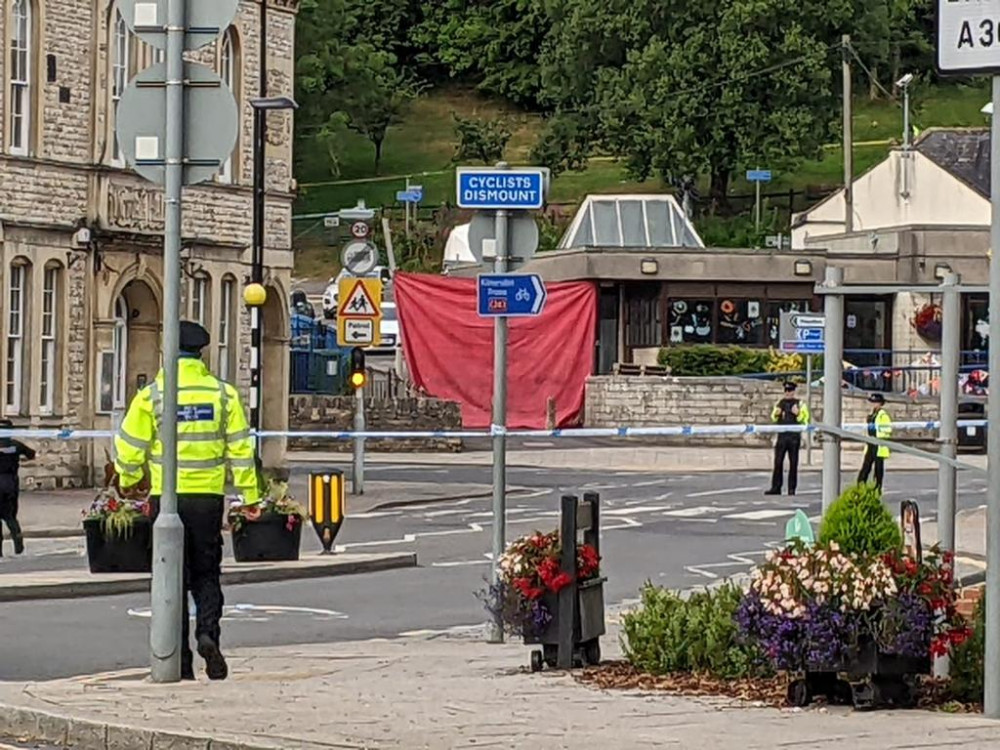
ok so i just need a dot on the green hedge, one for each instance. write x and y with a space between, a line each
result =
967 660
706 360
860 523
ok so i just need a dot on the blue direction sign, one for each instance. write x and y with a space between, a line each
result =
758 175
510 295
409 196
514 189
802 332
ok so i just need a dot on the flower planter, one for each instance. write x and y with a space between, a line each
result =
268 539
587 629
130 553
869 679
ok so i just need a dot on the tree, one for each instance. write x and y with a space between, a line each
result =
376 95
481 140
676 88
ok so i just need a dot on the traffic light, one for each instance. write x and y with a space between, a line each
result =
359 375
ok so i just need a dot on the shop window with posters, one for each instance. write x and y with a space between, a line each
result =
740 322
692 321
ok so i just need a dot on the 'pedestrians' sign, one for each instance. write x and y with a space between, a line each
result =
515 189
804 333
968 36
510 295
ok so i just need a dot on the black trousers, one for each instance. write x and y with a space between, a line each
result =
788 445
8 512
872 460
202 519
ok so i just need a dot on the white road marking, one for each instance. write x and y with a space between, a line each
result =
635 509
700 510
460 563
627 523
739 559
376 514
759 515
730 491
473 528
648 484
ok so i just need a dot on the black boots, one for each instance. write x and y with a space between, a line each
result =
215 663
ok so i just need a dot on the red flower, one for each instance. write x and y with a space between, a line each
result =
924 589
112 505
587 561
939 647
561 581
523 585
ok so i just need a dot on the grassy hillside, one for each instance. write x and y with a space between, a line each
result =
422 147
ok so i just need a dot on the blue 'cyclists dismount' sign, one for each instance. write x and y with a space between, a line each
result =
510 295
487 189
758 175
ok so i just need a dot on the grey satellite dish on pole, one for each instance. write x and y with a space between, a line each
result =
211 120
206 20
523 237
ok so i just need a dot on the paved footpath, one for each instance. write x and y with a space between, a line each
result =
453 691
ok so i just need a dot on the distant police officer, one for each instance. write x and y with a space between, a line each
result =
788 411
11 453
879 426
212 434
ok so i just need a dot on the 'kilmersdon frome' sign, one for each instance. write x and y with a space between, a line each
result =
968 36
514 189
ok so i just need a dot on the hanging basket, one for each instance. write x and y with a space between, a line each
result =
927 321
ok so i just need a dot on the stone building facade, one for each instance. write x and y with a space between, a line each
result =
81 247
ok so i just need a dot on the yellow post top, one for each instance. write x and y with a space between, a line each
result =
255 295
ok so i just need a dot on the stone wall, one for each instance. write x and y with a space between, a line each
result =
614 401
336 414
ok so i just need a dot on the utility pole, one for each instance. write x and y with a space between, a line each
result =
833 357
257 251
991 671
848 137
167 592
359 442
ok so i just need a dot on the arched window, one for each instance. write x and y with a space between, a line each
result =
227 329
48 377
229 72
17 336
21 51
121 58
201 301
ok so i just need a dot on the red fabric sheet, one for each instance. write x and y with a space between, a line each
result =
449 349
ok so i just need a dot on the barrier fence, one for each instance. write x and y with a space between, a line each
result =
690 430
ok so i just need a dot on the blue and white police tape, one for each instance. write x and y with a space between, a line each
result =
688 430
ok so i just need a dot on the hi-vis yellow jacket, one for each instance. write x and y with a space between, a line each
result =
212 433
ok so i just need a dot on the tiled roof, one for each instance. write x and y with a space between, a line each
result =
963 153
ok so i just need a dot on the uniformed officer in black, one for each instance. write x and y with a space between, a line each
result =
11 453
788 411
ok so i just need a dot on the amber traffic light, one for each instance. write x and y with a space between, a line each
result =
359 375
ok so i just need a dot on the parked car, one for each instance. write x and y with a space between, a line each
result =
389 330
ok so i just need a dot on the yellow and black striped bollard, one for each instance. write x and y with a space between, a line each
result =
326 506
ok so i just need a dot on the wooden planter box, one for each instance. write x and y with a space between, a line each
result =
267 539
587 629
869 679
131 553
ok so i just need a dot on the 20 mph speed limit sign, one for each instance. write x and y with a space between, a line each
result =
968 36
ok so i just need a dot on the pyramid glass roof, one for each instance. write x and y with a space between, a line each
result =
630 221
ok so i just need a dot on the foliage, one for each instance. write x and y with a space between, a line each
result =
708 360
277 500
684 89
967 659
117 515
530 570
860 523
481 140
793 362
669 633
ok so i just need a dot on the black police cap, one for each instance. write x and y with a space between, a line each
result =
876 398
790 386
193 338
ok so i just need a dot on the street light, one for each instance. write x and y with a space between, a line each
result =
254 294
904 83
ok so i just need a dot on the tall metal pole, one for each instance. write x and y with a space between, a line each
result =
359 442
500 418
951 334
809 406
756 212
991 672
906 117
168 533
833 357
848 137
257 267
